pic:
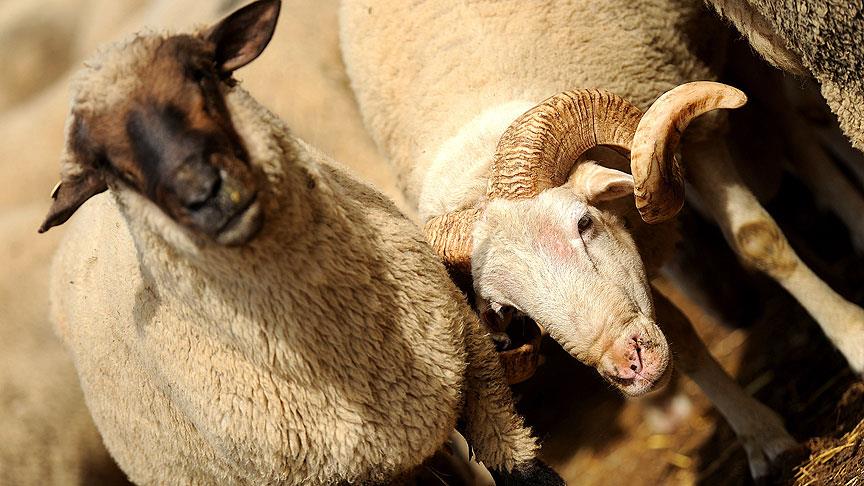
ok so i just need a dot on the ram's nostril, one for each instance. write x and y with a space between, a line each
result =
633 367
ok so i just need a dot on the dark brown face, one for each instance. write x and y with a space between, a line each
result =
173 140
176 145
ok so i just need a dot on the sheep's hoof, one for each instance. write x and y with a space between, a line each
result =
765 470
768 446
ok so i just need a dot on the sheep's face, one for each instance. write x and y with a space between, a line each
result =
570 264
169 137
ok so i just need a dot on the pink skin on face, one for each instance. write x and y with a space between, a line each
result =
633 366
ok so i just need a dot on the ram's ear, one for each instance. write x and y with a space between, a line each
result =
243 35
598 183
80 180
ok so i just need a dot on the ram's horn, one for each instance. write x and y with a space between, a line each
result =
539 149
657 176
450 237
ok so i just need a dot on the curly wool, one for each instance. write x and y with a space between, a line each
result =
330 348
826 37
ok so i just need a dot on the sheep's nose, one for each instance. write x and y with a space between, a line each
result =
196 183
627 362
634 357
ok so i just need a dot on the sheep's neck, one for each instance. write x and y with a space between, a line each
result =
459 173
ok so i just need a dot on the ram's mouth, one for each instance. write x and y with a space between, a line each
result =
644 384
520 352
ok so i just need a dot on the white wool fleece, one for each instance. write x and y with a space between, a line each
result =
332 347
426 73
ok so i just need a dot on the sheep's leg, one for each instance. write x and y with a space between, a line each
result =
758 428
492 426
758 241
817 170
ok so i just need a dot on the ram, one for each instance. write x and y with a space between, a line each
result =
450 92
239 310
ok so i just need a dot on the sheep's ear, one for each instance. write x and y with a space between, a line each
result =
598 183
80 180
69 195
243 35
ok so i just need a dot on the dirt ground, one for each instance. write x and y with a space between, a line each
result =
591 435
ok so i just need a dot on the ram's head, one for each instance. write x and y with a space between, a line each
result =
548 241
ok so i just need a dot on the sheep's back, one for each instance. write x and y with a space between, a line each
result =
421 71
349 367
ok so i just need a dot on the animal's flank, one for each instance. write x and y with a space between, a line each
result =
262 317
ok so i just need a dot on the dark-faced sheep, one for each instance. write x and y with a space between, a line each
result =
238 309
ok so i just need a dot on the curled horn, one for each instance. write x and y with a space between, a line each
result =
539 149
657 176
537 152
450 236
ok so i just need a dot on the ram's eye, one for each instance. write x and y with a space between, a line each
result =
584 223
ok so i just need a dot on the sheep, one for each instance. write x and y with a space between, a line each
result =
440 85
46 433
811 38
48 436
237 308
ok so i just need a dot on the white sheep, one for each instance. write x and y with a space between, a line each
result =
239 310
440 83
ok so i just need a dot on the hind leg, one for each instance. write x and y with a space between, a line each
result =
759 243
817 170
757 427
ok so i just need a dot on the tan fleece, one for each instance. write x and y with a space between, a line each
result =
333 347
46 433
423 71
827 37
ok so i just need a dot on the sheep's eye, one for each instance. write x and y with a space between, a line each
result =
197 74
584 223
